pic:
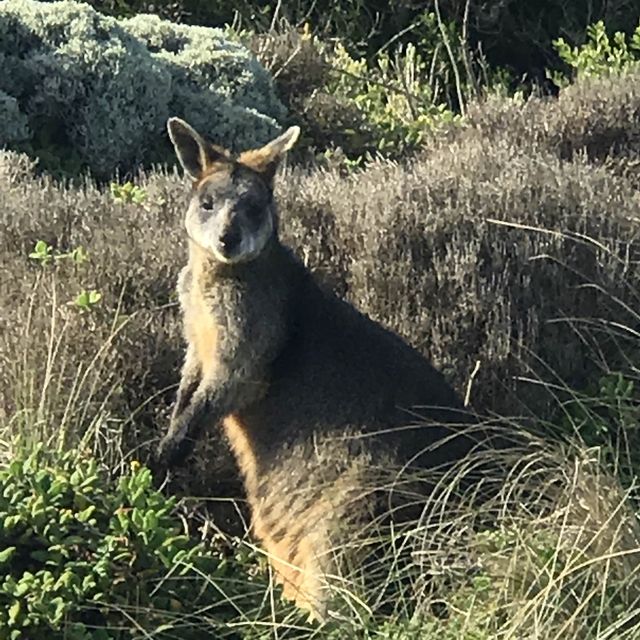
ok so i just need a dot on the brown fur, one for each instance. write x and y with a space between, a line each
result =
244 451
201 331
212 169
300 381
257 160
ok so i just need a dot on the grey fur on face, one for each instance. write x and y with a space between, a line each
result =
231 215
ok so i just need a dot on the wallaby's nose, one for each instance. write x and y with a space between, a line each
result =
230 239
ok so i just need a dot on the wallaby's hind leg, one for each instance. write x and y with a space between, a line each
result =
300 552
301 567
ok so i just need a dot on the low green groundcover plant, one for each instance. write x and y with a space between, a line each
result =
85 557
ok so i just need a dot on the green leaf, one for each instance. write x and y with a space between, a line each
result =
79 255
59 609
39 555
86 299
6 554
150 521
138 498
11 521
14 612
84 516
41 251
82 300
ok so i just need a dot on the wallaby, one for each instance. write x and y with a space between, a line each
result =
284 365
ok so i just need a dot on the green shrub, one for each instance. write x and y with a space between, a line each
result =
128 192
96 93
83 557
519 35
394 98
606 414
13 123
515 35
387 106
600 54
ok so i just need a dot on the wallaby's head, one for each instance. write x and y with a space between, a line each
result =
232 214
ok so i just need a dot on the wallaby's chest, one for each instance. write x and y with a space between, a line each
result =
202 327
203 334
214 317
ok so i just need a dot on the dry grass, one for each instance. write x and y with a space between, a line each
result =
492 249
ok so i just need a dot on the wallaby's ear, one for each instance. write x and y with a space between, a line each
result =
266 159
283 143
195 153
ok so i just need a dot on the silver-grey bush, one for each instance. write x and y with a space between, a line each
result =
91 91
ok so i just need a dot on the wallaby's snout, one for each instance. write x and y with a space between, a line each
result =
231 214
229 241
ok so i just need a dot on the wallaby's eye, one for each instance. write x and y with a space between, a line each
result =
207 203
254 211
254 214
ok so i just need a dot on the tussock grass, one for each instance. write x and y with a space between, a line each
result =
554 554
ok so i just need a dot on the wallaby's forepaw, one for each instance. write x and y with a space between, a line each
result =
172 451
